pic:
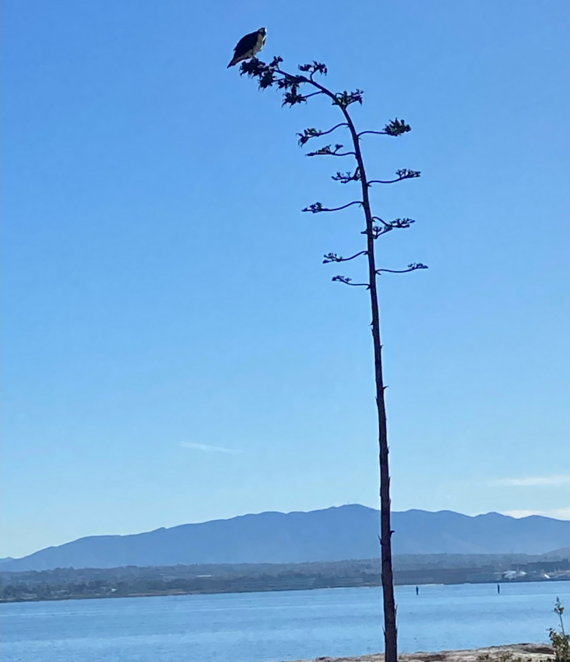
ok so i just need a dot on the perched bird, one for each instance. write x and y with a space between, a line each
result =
249 46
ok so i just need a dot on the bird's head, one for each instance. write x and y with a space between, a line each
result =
262 31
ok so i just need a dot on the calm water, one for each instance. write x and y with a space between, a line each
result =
262 627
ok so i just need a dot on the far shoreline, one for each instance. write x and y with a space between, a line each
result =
273 589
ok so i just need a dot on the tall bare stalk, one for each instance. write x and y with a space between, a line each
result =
269 75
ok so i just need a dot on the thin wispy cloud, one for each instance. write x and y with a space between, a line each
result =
534 481
211 449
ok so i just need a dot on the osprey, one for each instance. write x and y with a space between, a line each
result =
249 46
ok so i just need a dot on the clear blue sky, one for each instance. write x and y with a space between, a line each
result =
164 295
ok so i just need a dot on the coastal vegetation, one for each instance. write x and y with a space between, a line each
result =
559 639
131 581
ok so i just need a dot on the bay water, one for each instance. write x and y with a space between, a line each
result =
269 627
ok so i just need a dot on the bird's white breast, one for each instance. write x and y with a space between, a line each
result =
259 43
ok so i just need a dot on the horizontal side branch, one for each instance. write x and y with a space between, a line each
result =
317 207
348 281
324 133
411 267
333 257
405 173
385 181
380 220
321 153
377 133
393 128
316 133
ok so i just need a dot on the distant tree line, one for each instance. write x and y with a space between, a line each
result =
66 583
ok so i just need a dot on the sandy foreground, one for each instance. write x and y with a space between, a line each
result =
510 653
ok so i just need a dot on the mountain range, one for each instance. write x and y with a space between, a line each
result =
333 534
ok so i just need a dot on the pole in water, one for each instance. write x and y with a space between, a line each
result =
417 590
498 588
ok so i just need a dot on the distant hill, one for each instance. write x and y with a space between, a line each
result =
6 559
334 534
562 553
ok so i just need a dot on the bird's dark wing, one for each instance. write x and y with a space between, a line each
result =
245 43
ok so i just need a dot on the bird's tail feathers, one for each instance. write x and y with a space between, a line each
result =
238 58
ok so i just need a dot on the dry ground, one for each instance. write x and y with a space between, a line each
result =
511 653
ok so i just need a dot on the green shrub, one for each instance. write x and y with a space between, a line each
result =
559 639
